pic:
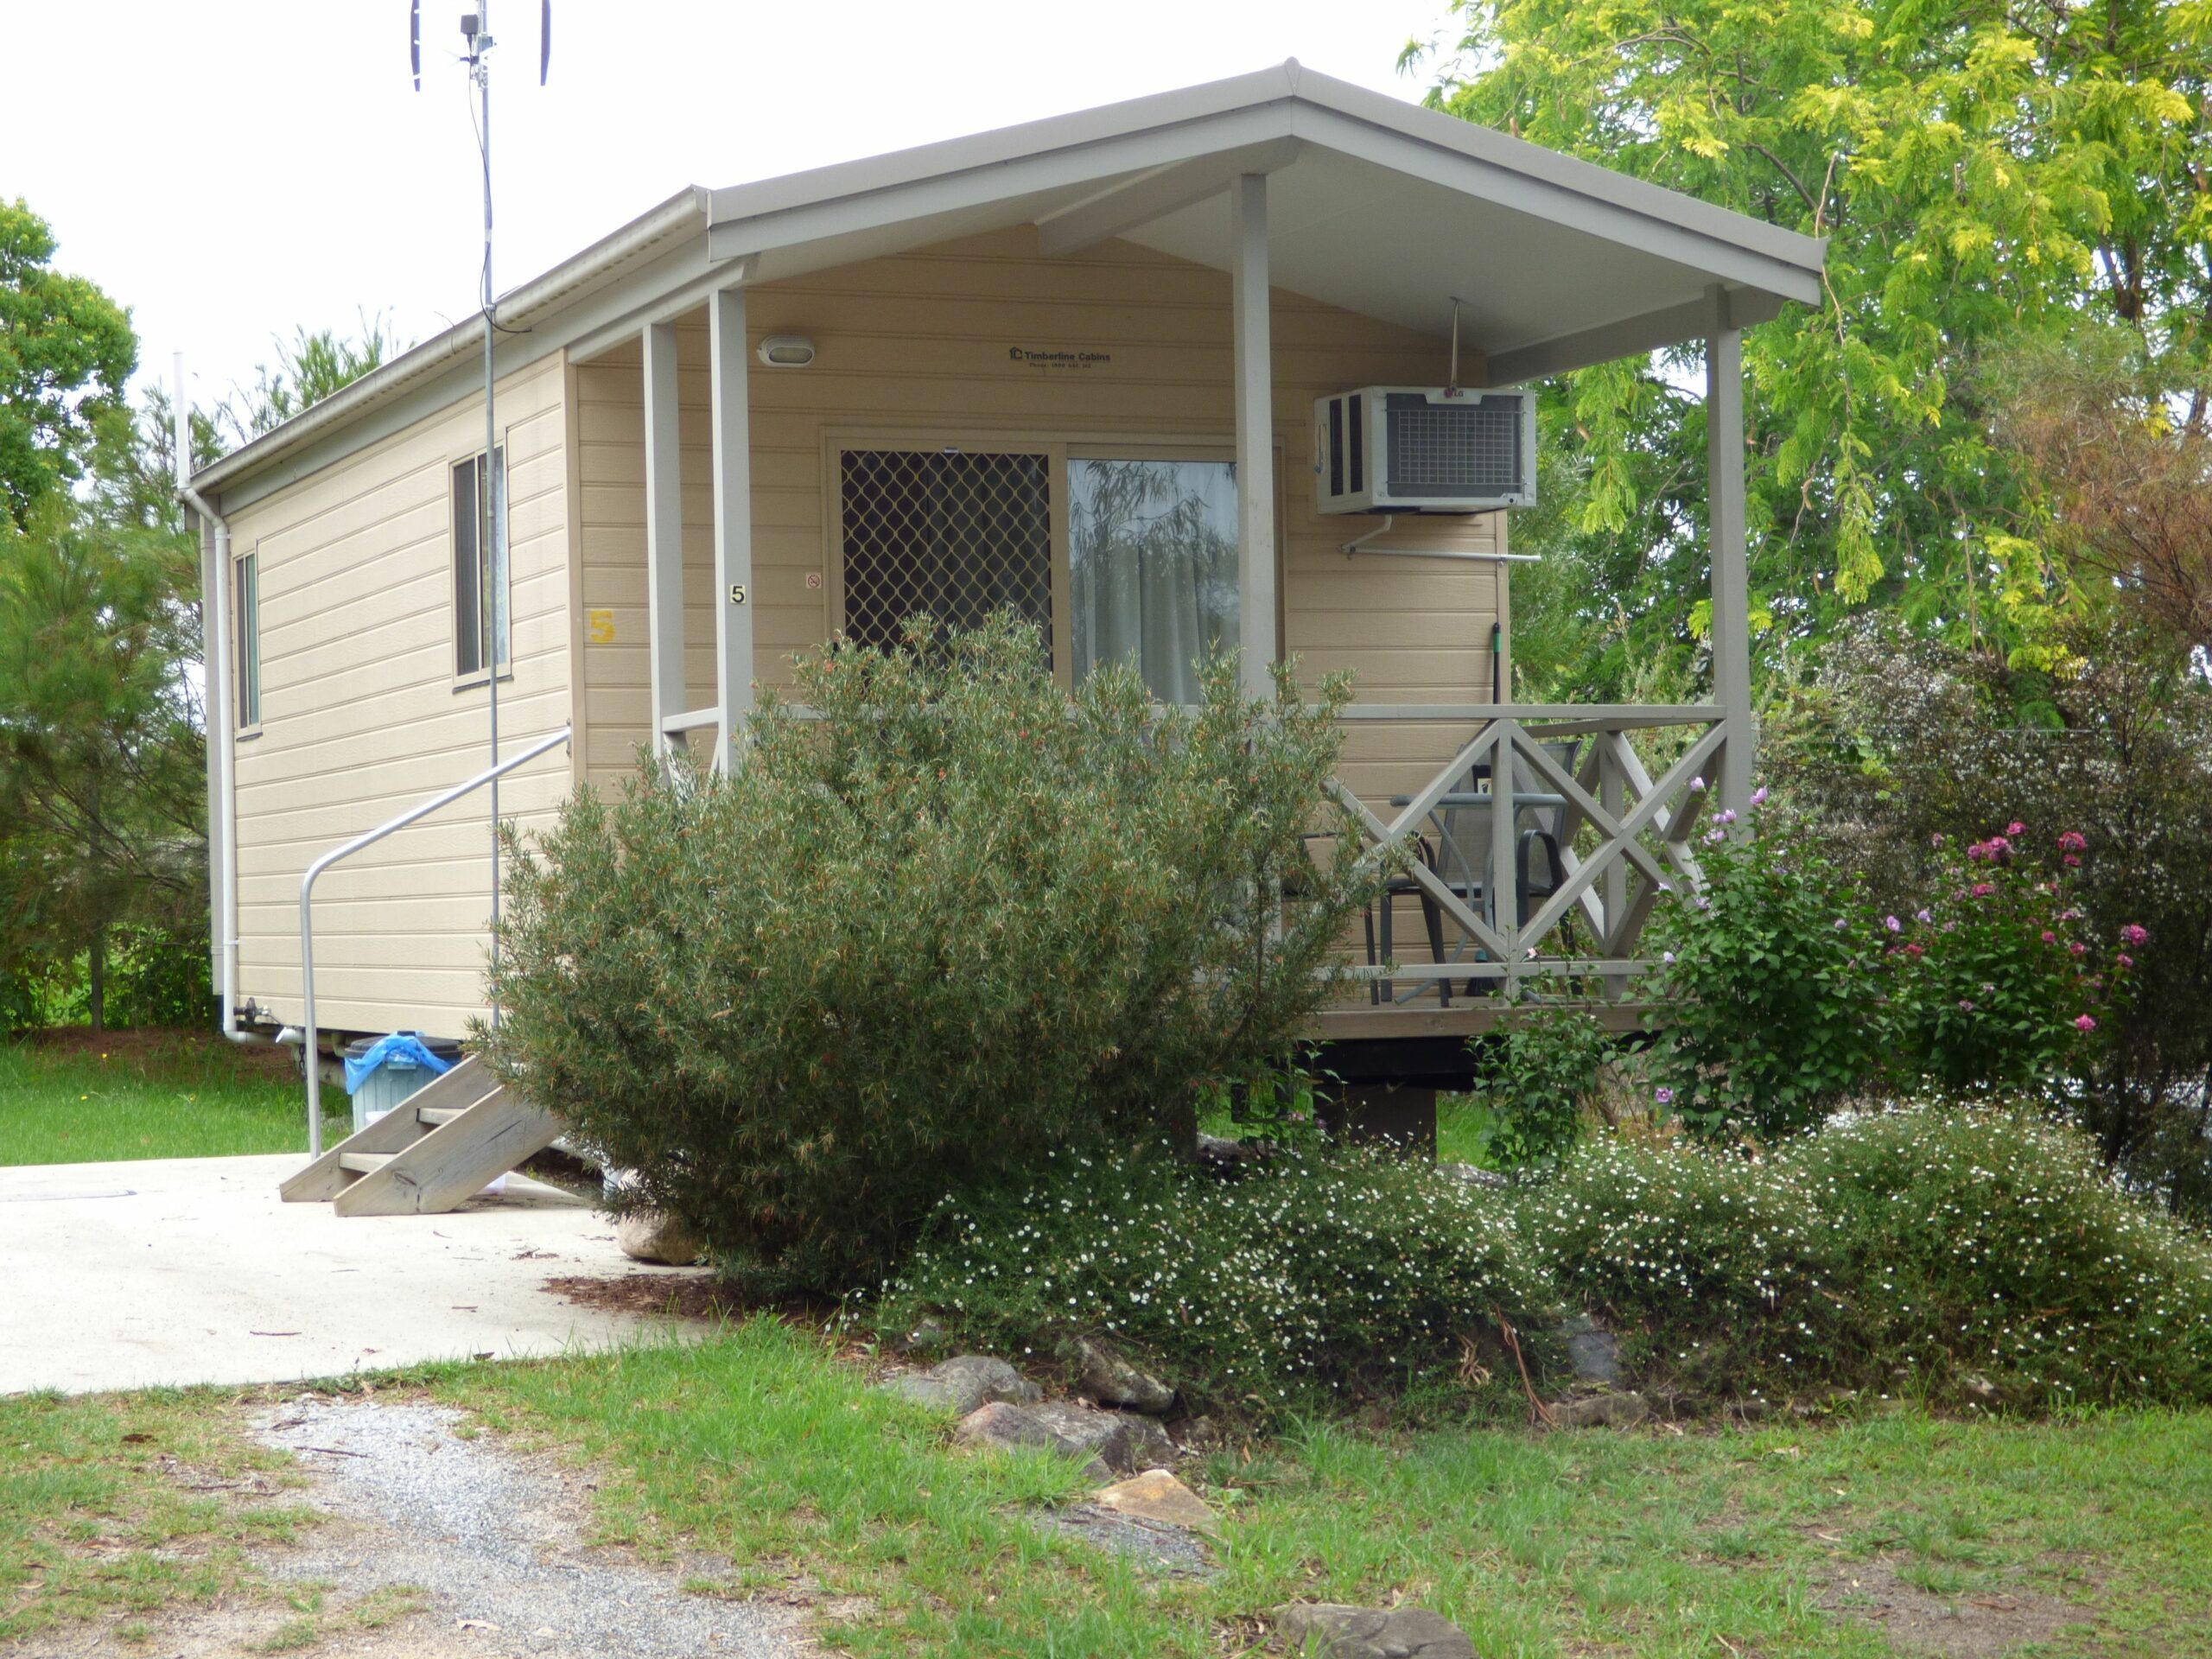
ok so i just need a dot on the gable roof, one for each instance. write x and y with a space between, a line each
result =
1374 205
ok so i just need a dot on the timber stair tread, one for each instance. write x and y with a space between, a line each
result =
458 1134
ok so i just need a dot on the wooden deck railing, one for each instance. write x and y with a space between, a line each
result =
1634 832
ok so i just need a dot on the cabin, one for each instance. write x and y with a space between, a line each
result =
758 418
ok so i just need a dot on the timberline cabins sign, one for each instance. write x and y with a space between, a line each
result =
1036 360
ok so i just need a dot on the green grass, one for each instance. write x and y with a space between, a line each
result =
1648 1544
760 1445
113 1506
75 1099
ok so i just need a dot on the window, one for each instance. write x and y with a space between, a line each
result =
1152 567
246 578
479 585
956 533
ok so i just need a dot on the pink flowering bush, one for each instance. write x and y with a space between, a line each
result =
1994 983
1787 988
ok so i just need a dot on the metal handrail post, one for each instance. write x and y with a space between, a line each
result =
306 911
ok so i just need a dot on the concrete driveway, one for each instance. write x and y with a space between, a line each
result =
191 1270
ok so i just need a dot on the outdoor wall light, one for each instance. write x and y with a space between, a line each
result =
787 350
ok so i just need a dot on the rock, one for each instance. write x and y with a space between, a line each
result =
1593 1350
1147 1543
1156 1495
1127 1442
962 1383
924 1338
999 1426
1472 1176
1600 1410
1340 1632
1112 1381
654 1236
1979 1387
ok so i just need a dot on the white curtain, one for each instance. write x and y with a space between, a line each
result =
1152 557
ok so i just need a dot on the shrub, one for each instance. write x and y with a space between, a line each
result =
1769 973
1535 1078
1992 984
1900 741
1715 1267
1987 1245
1972 1256
961 919
1307 1277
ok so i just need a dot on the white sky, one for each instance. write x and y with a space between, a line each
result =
229 169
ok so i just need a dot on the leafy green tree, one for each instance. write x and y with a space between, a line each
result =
66 352
1985 174
317 363
101 752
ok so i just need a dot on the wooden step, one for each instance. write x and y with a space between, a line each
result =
456 1090
450 1164
364 1163
434 1115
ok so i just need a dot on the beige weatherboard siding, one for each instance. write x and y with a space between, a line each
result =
362 716
920 348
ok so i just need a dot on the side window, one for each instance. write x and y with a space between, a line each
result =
479 584
246 578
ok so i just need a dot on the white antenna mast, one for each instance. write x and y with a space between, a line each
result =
492 601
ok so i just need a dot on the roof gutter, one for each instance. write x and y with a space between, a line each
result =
686 210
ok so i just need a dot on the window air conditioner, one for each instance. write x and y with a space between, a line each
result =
1411 449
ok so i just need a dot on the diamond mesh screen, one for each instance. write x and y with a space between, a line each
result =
959 535
1470 448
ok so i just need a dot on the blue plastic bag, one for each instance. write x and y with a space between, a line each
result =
404 1049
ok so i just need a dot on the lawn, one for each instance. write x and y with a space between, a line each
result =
2088 1537
1804 1539
77 1097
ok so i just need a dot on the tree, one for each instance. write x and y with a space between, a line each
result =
101 751
67 351
1987 173
316 364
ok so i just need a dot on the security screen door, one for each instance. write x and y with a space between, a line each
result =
957 533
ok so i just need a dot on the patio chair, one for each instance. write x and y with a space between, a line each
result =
1459 855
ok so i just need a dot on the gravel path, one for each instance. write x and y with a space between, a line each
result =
494 1543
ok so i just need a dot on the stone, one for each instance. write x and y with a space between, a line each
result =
1593 1351
999 1426
1474 1176
1112 1381
1147 1544
960 1384
1156 1495
1334 1632
654 1236
925 1338
1124 1441
1600 1410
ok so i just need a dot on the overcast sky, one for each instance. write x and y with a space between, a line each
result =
229 169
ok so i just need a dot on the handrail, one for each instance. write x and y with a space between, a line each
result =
306 910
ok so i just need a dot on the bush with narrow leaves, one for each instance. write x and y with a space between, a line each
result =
956 919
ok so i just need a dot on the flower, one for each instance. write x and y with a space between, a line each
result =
2124 960
2073 841
2132 934
1663 1095
1841 924
2077 949
1666 956
1923 915
1915 952
1893 924
2016 828
2050 937
1965 1005
1716 835
1935 841
1758 796
2072 861
1983 889
2084 1022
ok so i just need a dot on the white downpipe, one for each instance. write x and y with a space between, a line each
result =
222 730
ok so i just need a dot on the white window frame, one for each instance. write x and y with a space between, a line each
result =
493 635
